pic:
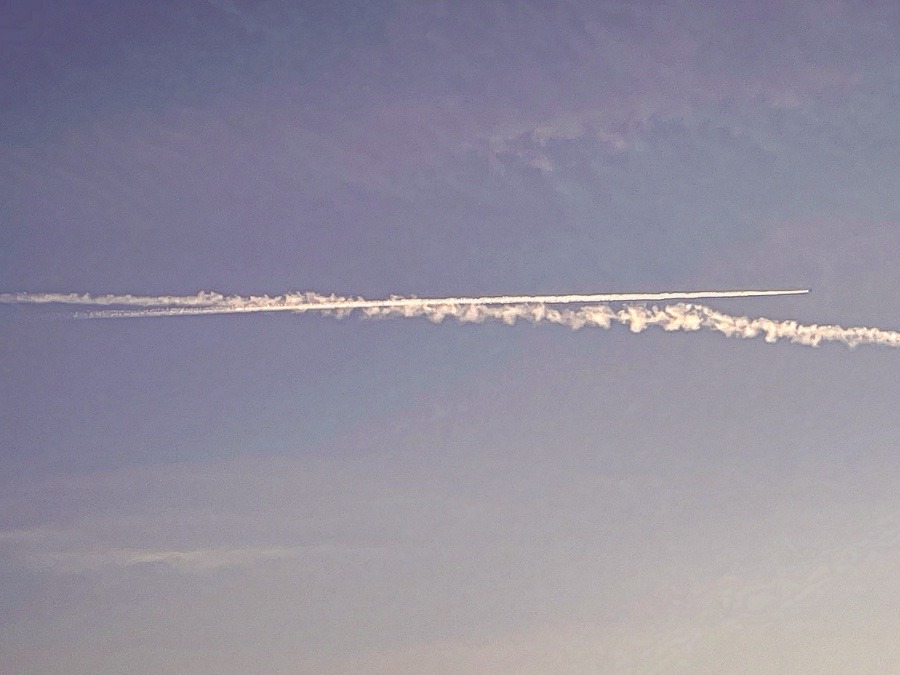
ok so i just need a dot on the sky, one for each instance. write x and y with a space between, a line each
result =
299 493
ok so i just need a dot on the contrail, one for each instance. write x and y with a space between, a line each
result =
200 300
299 302
677 317
508 309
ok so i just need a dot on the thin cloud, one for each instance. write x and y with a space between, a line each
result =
509 309
191 560
315 301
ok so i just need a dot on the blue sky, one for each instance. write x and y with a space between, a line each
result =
234 493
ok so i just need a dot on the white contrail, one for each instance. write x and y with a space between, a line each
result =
298 302
677 317
202 299
509 309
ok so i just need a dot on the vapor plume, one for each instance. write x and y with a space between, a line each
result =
677 317
508 309
304 301
202 299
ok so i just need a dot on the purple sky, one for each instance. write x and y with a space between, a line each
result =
267 493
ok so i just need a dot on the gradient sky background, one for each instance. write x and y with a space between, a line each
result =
274 493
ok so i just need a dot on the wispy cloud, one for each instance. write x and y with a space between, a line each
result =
73 550
316 302
508 309
191 560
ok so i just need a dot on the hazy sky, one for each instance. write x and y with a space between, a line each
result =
282 493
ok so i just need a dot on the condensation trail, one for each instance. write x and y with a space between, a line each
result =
202 299
677 317
508 309
298 302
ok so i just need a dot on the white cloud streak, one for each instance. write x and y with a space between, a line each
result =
677 317
202 299
193 560
508 309
298 302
